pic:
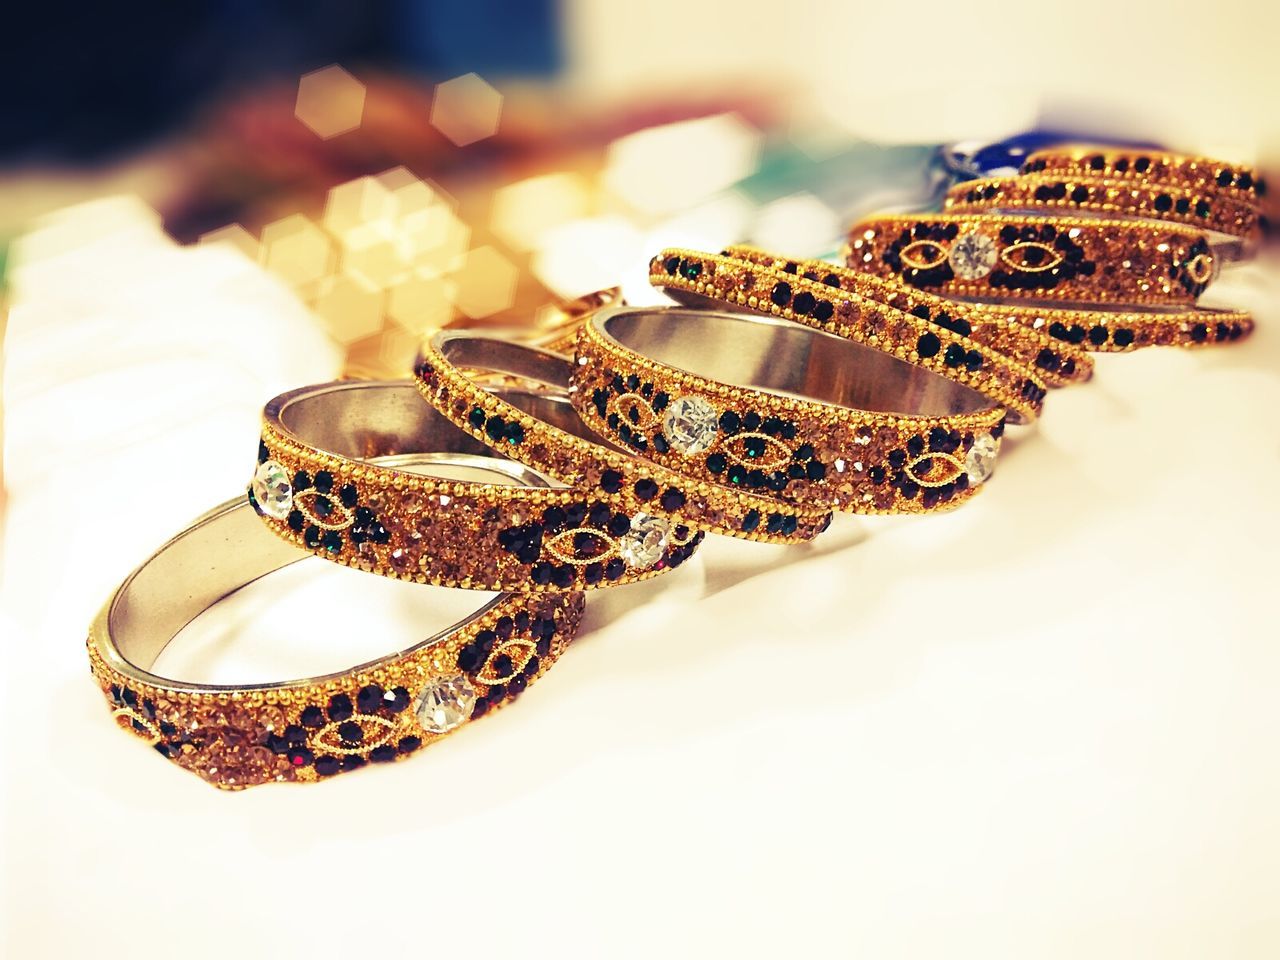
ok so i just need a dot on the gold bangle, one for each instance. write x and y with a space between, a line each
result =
1216 178
1055 362
329 481
1088 196
304 730
797 412
1040 258
694 277
662 502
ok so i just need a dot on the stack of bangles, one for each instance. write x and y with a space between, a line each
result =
600 451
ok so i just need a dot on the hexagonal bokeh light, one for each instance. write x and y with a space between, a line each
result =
466 109
330 101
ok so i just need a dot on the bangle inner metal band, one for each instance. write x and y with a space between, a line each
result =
786 358
224 550
364 420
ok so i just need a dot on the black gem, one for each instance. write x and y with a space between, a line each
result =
350 731
312 716
383 754
614 569
476 418
563 576
312 537
954 355
611 481
646 489
340 707
716 462
618 524
781 294
348 495
1098 335
369 698
296 521
1122 337
751 521
928 345
333 541
803 303
541 572
395 700
301 481
409 744
672 499
730 422
1163 202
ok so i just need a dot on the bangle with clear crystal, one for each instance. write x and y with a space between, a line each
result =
662 502
765 404
303 730
1047 259
331 478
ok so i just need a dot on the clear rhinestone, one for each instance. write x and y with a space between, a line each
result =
980 462
445 703
272 490
973 255
689 424
643 544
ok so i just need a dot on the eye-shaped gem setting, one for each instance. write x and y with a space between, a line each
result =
973 255
1030 257
924 255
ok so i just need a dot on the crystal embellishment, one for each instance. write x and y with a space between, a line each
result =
642 546
980 462
689 425
973 255
445 703
272 491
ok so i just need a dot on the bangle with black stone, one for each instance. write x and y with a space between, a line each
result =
661 502
237 736
766 404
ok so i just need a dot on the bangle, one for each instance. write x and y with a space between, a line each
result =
1040 258
1055 363
1107 331
303 730
662 503
1213 178
331 483
942 348
804 414
1233 219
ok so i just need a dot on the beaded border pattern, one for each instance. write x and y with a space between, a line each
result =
908 337
1202 209
1055 362
856 460
471 535
310 730
629 484
1233 181
1043 258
